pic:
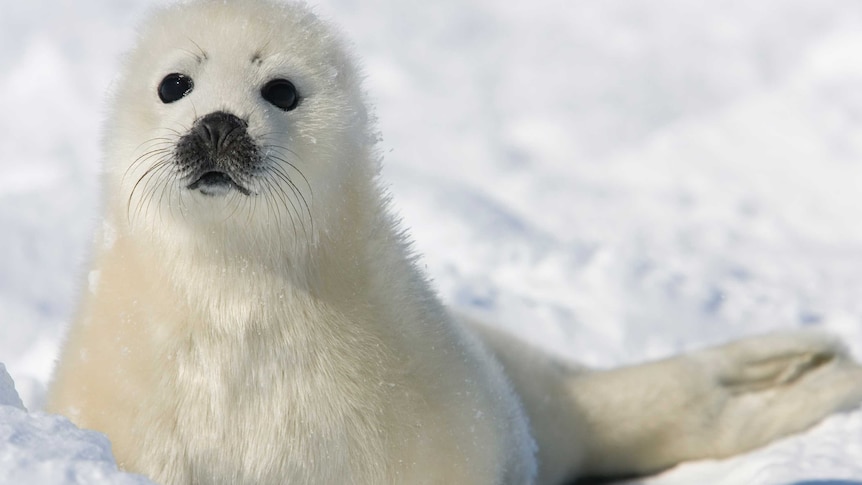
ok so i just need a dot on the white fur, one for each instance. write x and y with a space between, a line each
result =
287 337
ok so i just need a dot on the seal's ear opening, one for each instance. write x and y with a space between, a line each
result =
281 93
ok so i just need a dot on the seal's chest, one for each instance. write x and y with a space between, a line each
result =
271 421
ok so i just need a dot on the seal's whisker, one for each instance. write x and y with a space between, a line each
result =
145 157
284 176
145 178
152 140
279 194
291 183
169 187
154 175
281 158
286 197
234 201
250 209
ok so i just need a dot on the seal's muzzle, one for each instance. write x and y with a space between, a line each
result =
217 154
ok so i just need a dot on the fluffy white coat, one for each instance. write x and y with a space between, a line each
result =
288 337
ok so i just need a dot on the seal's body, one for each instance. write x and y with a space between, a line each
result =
255 316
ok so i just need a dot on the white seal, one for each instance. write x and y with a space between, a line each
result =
255 315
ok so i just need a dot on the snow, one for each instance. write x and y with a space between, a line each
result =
615 181
40 448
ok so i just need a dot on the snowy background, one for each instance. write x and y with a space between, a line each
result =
616 181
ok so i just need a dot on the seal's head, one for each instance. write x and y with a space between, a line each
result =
241 117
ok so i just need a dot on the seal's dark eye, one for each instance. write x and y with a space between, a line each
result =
281 93
174 87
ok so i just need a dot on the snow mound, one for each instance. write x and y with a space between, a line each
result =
8 395
49 450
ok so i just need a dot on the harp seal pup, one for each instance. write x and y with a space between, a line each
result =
255 315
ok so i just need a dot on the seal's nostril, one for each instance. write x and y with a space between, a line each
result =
216 127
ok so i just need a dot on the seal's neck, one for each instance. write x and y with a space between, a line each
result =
235 273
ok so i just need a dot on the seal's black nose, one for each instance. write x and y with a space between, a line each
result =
216 129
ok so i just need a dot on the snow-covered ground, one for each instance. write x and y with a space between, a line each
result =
616 181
